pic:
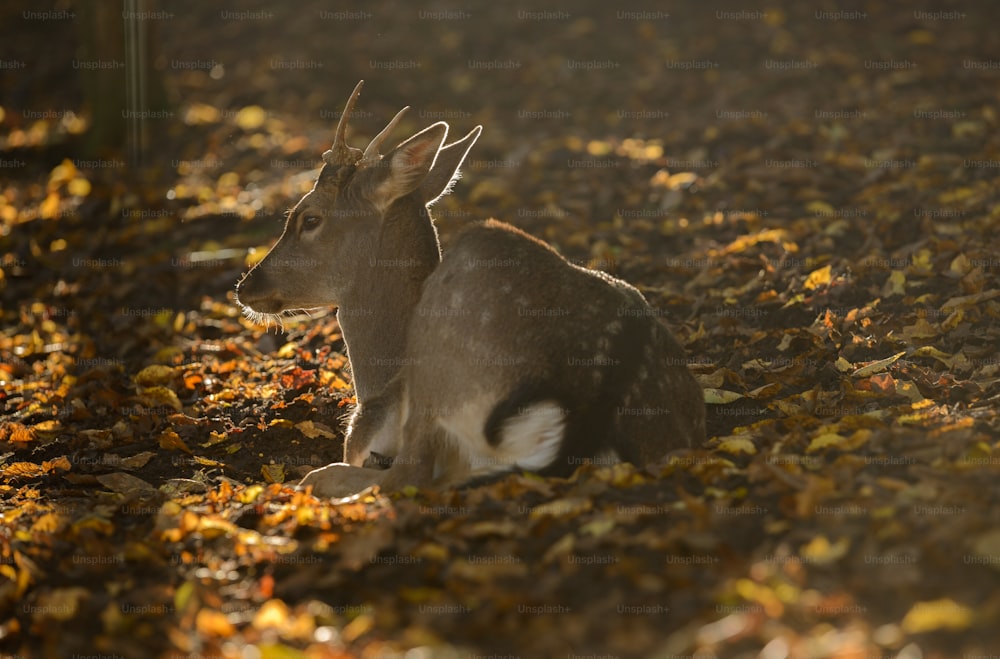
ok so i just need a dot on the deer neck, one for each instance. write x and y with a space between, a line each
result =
375 313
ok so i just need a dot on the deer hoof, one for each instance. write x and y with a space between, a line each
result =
338 480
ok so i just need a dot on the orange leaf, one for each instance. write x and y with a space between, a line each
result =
882 383
59 464
171 440
23 470
213 623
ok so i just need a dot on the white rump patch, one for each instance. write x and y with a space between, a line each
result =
531 439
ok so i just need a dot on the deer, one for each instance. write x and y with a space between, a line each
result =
501 356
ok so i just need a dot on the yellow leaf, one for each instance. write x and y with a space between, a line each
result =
825 440
877 367
273 473
185 595
154 375
313 430
50 207
79 187
200 113
843 365
931 351
598 527
250 494
960 265
821 552
720 396
251 117
895 284
922 261
206 462
931 616
160 397
62 173
736 444
817 278
255 255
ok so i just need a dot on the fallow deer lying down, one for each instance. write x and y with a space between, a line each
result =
499 356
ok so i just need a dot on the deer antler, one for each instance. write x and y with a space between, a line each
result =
341 154
372 155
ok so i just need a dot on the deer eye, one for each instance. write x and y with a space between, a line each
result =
310 222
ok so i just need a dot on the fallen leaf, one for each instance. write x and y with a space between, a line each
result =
944 613
736 445
124 483
720 396
877 366
817 278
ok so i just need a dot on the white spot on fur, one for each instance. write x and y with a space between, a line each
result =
613 327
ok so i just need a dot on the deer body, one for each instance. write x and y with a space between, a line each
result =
501 356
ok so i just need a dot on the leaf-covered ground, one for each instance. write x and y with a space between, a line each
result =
809 197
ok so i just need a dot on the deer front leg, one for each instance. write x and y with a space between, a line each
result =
340 480
376 427
414 466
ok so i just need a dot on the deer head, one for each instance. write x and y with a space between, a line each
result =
364 206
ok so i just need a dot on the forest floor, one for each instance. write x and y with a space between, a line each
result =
809 198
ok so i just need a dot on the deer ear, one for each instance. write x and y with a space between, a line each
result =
402 170
445 172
